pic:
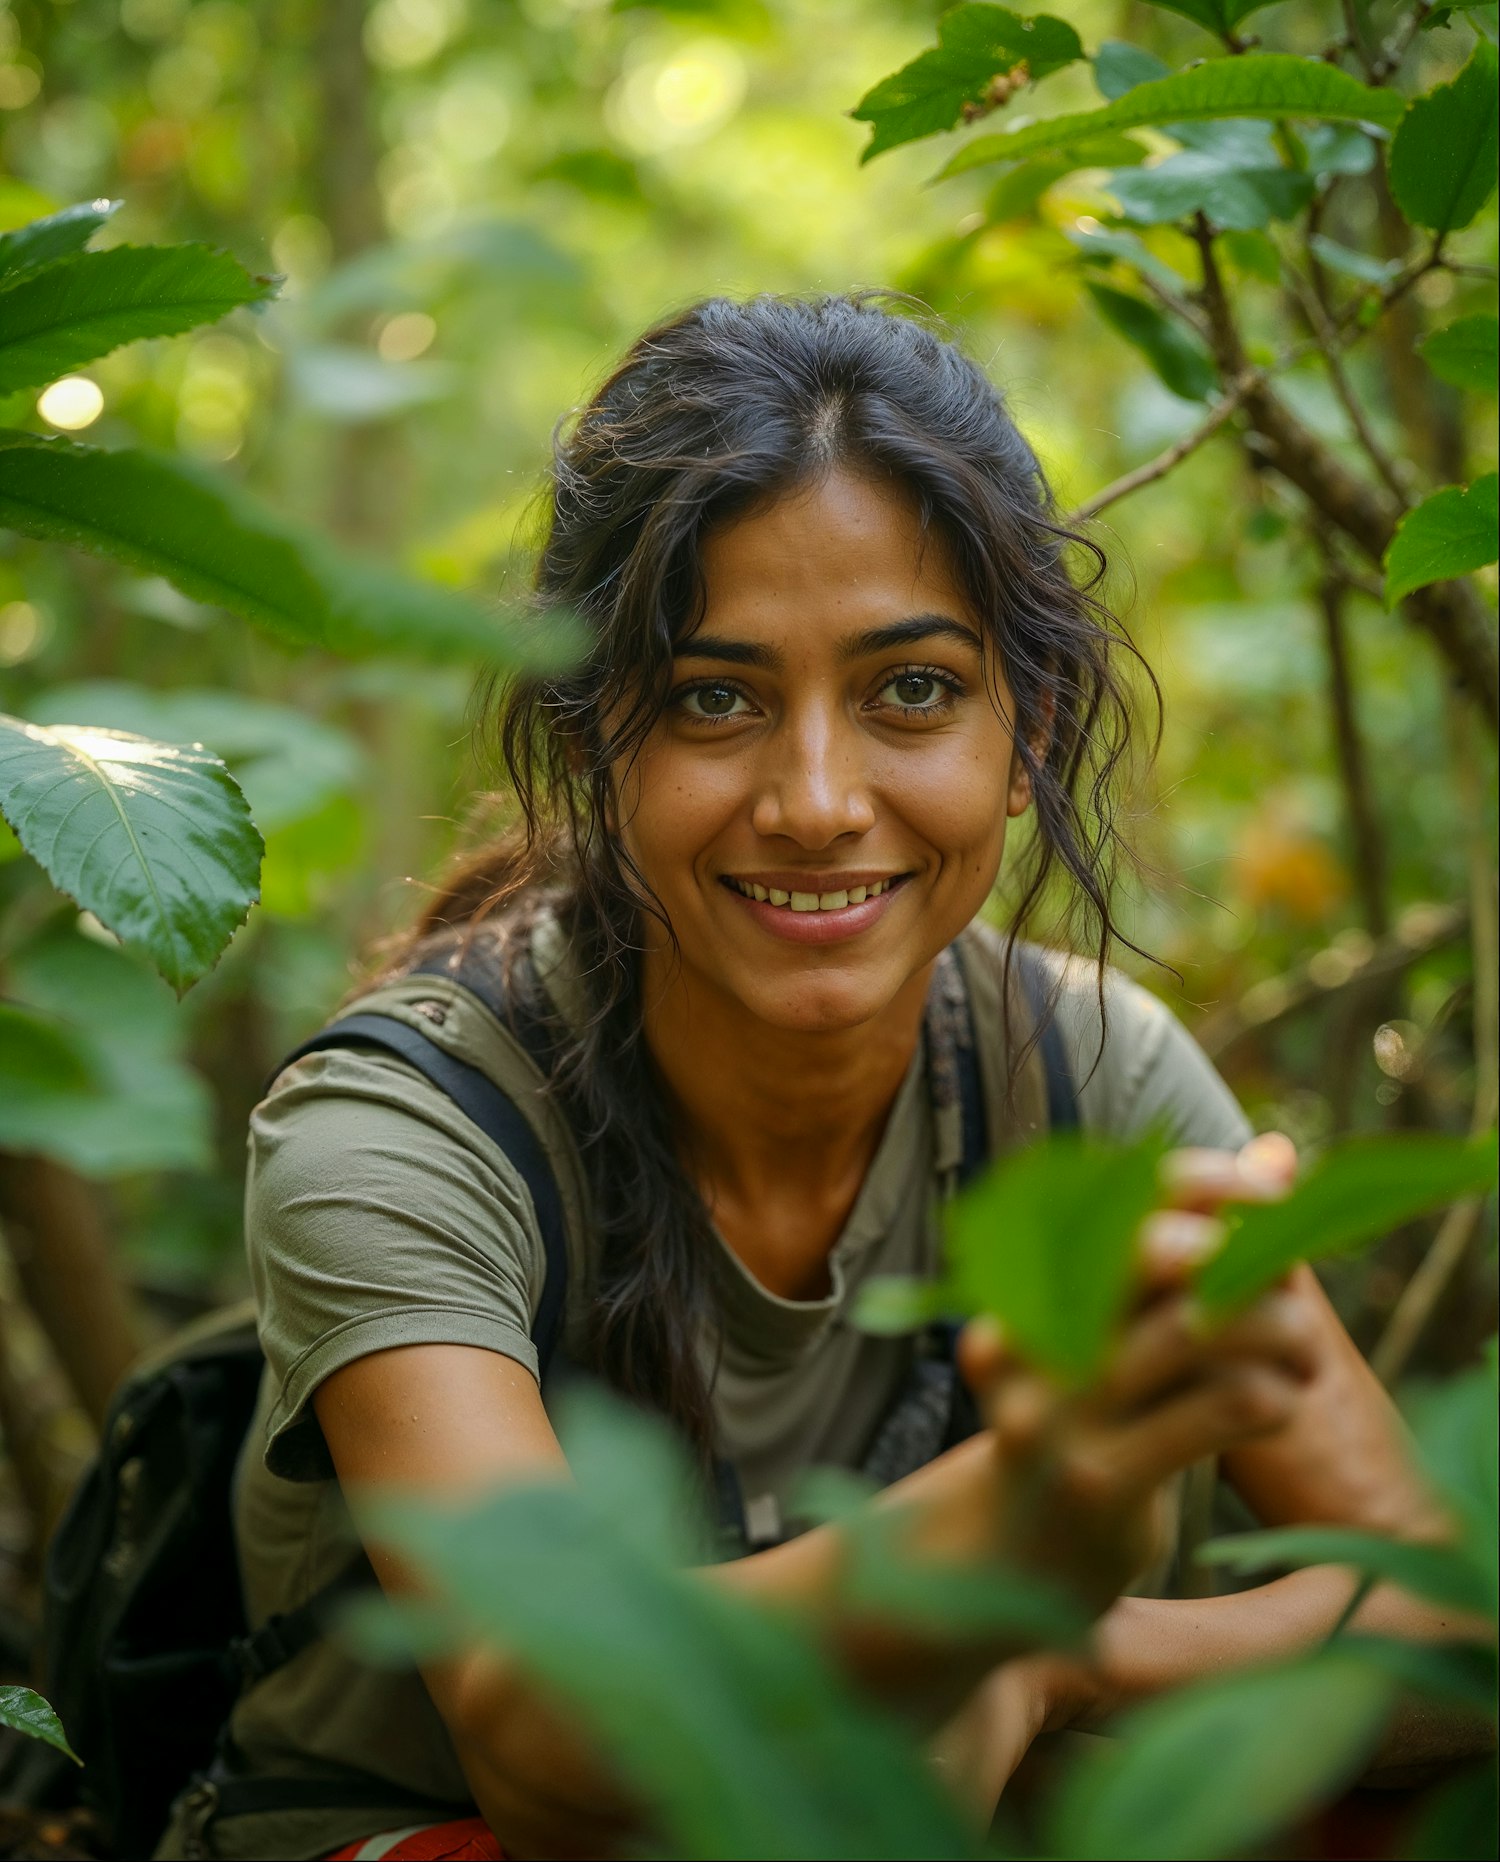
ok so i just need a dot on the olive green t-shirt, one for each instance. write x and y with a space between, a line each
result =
377 1215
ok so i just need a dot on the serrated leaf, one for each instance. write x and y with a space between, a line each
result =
214 543
1354 1194
156 842
1442 160
28 1713
26 247
1443 1574
1216 16
1466 353
81 307
1218 1768
1046 1244
1451 532
1176 355
976 43
1272 85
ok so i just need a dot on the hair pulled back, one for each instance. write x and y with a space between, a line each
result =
711 413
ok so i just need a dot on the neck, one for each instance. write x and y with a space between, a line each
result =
778 1126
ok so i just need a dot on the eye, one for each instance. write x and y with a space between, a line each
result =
920 689
712 700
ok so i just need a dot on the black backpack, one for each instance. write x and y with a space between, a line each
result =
145 1644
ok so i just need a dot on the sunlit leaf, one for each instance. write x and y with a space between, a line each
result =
1442 160
53 237
1356 1192
156 842
28 1713
1218 1768
1272 84
1176 355
1451 532
83 306
1466 353
977 43
1443 1574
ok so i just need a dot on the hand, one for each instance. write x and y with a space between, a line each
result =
1078 1476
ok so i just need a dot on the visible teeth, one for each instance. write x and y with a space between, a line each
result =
832 901
758 892
857 895
804 901
777 896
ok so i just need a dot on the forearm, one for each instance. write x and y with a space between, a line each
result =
1144 1646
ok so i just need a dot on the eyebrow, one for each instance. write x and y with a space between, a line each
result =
872 640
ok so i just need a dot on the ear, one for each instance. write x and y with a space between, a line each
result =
1020 795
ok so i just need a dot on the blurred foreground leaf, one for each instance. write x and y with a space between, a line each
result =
1216 1769
718 1715
1465 354
1443 1574
156 842
1353 1195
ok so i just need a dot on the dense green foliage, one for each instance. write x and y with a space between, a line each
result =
318 285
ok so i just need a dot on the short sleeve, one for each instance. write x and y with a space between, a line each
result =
377 1215
1140 1069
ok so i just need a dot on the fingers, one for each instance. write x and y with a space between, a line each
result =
1165 1349
1238 1402
1261 1171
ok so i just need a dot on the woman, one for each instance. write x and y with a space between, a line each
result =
834 650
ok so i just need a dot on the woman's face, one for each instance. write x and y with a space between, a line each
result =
822 806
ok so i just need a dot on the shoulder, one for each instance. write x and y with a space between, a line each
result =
1133 1064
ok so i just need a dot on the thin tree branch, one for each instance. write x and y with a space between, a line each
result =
1370 863
1164 462
1308 302
1450 611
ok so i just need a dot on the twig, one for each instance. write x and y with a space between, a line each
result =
1308 303
1327 974
1450 1246
1164 462
1364 819
1395 50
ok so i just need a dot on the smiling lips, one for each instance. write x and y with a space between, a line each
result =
811 901
820 917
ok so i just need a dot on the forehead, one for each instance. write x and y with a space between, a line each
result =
844 549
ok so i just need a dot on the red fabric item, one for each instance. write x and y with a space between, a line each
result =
470 1839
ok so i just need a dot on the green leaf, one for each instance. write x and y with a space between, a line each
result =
1456 1423
1451 532
1457 1820
38 1058
1242 183
54 237
1120 66
1465 354
1354 1194
28 1713
1273 84
288 763
208 539
79 308
1220 1768
145 1107
976 44
1465 1672
1176 355
1102 245
1018 189
1216 16
890 1304
1443 1574
156 842
721 1717
1046 1244
1352 264
1442 160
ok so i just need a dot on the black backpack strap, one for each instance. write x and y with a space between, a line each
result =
1062 1095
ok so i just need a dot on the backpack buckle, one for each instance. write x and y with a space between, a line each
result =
262 1652
198 1806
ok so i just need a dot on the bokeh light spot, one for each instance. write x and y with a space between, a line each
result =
72 403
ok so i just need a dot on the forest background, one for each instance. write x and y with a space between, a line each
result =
473 206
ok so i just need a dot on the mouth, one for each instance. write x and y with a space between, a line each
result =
839 900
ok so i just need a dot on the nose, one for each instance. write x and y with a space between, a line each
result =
812 787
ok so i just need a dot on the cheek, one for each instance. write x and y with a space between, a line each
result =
954 795
672 805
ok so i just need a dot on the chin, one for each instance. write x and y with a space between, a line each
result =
817 1004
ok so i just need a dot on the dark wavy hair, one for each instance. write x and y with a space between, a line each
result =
711 413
